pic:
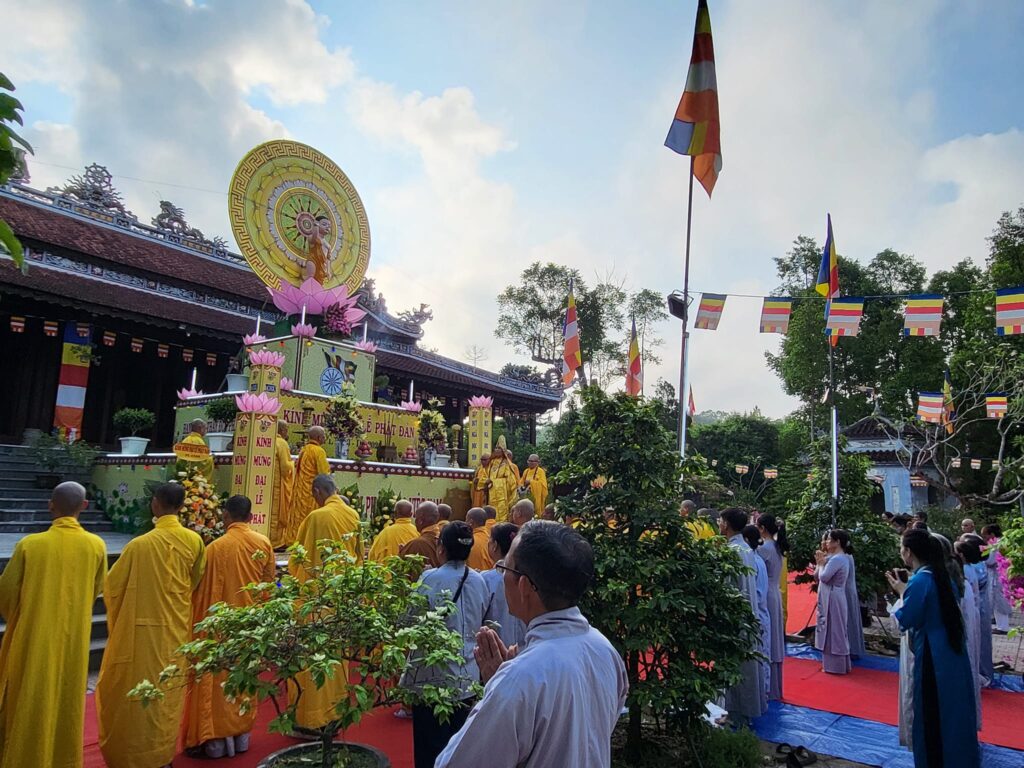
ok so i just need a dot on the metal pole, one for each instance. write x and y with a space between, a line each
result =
835 434
683 349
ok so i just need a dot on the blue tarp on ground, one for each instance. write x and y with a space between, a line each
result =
853 738
1011 683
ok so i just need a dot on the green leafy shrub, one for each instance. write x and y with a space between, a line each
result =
223 410
433 431
130 421
129 514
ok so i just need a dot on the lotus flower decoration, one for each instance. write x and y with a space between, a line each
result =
304 330
316 299
253 338
185 394
262 403
266 357
366 346
481 401
287 385
411 407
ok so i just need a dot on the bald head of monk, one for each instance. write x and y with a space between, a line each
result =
490 512
444 511
476 517
317 435
426 515
282 429
522 512
168 499
198 426
323 488
67 500
403 508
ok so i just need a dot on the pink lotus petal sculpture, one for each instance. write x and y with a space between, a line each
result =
253 338
261 403
304 330
316 299
481 401
266 357
185 394
366 346
411 407
287 385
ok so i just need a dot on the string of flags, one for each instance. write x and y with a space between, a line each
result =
936 407
922 313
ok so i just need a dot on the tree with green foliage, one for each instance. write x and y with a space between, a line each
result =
665 600
11 159
749 439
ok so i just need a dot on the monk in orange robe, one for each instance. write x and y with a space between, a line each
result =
479 556
478 487
284 484
312 461
238 558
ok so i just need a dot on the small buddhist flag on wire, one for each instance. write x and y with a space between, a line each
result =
843 318
109 338
211 358
50 327
918 481
186 355
923 315
770 473
742 469
1010 311
955 462
975 463
710 311
136 344
82 330
931 407
162 350
775 315
995 406
17 324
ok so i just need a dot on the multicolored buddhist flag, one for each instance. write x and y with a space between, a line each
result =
634 366
955 462
696 131
775 315
828 276
211 358
186 355
742 469
843 317
771 473
72 380
996 406
17 324
109 338
1010 311
572 358
710 311
691 407
948 409
162 350
923 315
930 407
975 463
50 327
136 344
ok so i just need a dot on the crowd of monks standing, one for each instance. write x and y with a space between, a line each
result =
165 581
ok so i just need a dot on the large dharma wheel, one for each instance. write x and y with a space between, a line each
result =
295 215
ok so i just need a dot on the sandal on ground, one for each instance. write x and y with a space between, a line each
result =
801 757
783 751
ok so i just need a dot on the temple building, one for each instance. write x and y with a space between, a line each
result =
153 305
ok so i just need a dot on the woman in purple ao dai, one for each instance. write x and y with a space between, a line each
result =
830 634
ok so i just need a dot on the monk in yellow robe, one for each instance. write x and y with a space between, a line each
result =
336 521
47 592
148 593
478 486
535 481
501 484
312 461
196 437
238 558
284 483
492 517
390 540
511 461
479 556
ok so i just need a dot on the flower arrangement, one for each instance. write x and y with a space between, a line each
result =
128 515
1009 553
253 338
366 346
304 330
341 417
383 510
186 393
481 401
433 431
261 403
266 357
411 407
201 512
287 385
351 496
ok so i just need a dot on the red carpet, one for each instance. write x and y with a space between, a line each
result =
380 729
801 606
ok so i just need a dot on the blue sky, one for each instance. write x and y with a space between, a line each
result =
483 136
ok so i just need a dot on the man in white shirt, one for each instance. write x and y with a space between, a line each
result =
555 701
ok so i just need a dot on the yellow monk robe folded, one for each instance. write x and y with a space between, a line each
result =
504 481
390 540
229 567
333 521
478 487
47 592
479 558
537 481
148 593
312 461
284 485
206 465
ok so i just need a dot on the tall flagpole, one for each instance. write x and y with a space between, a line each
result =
684 346
835 433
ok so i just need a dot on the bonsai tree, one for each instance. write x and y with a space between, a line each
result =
369 617
52 454
130 421
664 599
223 410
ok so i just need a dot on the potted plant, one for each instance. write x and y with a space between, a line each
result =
56 459
129 422
433 435
380 388
369 617
236 380
343 422
222 412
